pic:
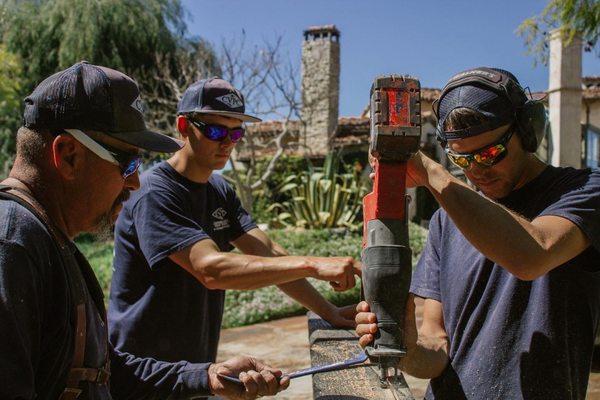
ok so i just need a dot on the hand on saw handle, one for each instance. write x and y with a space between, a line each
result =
366 324
338 271
417 169
257 379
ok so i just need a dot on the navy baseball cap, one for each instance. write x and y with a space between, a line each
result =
491 100
91 97
214 96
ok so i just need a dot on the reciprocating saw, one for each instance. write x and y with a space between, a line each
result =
386 272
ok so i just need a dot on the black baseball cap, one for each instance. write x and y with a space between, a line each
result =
493 103
214 96
91 97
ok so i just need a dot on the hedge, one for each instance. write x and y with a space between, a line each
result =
252 306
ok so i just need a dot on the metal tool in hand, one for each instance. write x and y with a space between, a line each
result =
386 257
354 361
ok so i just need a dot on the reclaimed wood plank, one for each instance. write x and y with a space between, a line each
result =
328 345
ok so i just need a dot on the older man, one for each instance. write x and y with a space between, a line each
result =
77 160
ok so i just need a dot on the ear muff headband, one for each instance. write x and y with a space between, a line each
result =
530 115
532 122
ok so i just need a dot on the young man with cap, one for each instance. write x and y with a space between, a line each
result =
77 159
510 274
173 241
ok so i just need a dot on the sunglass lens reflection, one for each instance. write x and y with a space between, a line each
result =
236 134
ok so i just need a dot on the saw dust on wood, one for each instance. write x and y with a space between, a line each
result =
329 345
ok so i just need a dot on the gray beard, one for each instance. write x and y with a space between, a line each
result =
104 229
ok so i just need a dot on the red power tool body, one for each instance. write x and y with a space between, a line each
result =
387 266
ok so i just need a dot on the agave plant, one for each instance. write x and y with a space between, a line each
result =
321 197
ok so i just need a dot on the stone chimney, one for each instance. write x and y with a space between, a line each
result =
320 89
564 101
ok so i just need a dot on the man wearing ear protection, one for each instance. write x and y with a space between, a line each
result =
511 271
174 238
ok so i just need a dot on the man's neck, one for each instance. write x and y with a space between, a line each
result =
533 167
185 165
49 196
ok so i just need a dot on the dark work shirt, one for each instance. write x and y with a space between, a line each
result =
37 330
157 309
512 339
36 313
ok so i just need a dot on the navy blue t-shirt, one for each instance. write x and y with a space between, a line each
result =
512 339
157 309
37 331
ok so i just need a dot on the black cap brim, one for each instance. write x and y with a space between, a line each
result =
229 114
149 140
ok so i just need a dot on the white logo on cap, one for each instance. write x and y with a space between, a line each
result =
137 104
231 100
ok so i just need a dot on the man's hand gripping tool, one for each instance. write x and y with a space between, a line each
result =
386 257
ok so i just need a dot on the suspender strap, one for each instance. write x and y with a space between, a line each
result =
15 190
95 375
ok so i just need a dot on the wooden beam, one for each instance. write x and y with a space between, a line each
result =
329 345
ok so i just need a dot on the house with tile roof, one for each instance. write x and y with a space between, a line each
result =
573 106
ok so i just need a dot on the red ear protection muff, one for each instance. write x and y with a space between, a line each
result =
182 124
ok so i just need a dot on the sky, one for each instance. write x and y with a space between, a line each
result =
431 40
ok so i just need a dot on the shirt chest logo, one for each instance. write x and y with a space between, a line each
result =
221 222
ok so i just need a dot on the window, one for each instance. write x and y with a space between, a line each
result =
592 147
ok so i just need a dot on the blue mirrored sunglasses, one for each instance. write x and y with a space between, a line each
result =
218 133
128 162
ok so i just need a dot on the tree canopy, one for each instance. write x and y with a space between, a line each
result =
572 18
40 37
52 35
10 103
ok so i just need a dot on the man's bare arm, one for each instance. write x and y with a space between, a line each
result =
527 249
225 270
256 242
428 351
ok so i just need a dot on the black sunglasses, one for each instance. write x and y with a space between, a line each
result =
127 162
218 133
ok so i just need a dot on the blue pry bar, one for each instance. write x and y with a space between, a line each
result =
359 359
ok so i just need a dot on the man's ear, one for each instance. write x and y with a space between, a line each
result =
67 156
183 125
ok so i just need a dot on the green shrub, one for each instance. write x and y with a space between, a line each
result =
251 306
268 194
322 197
100 256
